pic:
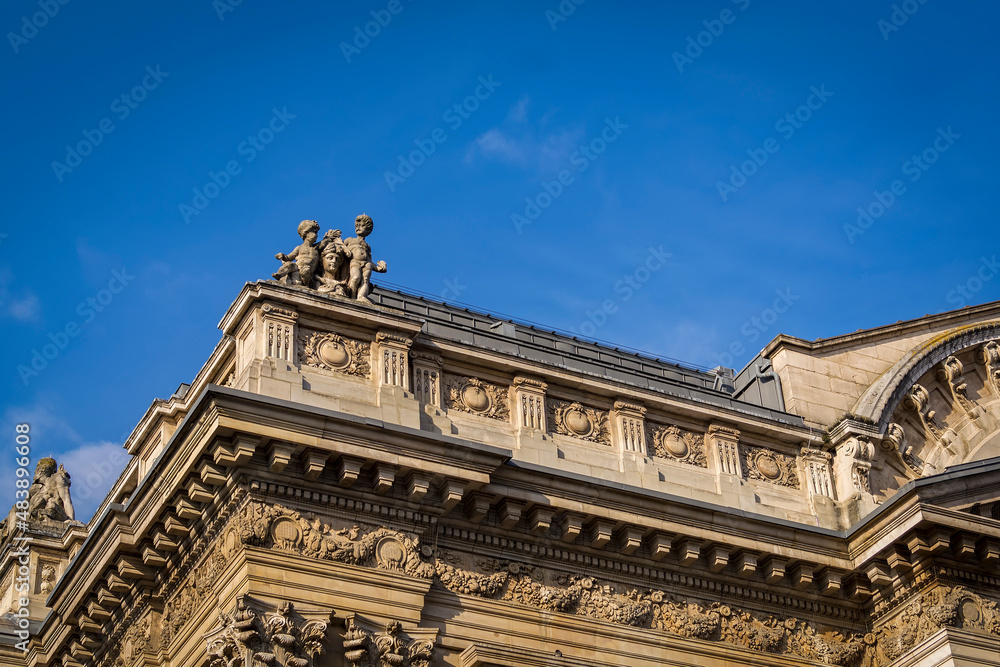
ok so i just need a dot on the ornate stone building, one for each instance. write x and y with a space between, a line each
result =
361 478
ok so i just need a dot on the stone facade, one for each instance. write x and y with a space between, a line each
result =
370 478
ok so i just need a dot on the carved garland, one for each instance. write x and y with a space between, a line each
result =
579 421
651 609
767 466
929 612
670 442
284 529
335 353
477 397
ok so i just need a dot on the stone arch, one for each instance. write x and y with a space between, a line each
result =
939 406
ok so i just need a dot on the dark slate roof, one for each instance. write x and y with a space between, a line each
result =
527 341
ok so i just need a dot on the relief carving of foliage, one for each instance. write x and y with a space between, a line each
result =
931 611
579 421
767 466
651 609
670 442
476 397
284 529
335 353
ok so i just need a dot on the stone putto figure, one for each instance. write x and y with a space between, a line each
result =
342 267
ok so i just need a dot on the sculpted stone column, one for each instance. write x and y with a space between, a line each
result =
250 635
630 427
427 377
278 332
724 450
391 362
529 403
817 472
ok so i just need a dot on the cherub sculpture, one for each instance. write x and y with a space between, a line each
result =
342 267
300 264
360 253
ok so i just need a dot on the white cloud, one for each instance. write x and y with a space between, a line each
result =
25 309
525 143
93 465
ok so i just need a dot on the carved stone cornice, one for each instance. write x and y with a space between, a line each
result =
528 382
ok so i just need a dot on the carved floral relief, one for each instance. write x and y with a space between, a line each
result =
335 353
579 421
476 397
767 466
670 442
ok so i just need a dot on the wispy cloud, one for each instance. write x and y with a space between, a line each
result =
23 306
525 141
93 465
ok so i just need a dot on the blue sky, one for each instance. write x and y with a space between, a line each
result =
656 175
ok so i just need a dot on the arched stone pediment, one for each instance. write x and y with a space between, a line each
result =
881 400
938 406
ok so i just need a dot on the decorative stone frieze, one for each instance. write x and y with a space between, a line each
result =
392 359
816 466
335 353
427 377
528 395
724 447
765 465
283 529
651 609
670 442
247 636
476 397
630 427
392 647
927 613
579 421
279 331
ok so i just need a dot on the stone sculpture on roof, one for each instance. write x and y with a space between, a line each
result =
342 267
48 499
